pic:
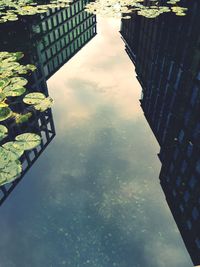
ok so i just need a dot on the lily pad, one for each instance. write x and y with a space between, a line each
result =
5 113
18 81
13 149
4 83
10 172
31 67
14 90
2 97
9 155
28 141
3 132
18 55
34 98
21 118
44 104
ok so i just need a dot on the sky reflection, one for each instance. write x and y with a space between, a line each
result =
93 198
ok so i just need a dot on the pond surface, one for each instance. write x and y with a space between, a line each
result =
93 197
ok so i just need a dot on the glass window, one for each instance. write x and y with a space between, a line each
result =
192 181
181 136
55 22
181 208
49 24
46 40
174 193
186 196
55 62
171 168
51 37
189 149
194 95
189 224
178 181
183 166
73 10
44 26
197 241
46 71
60 18
195 213
198 166
56 34
64 15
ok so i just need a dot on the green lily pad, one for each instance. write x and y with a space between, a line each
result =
28 141
5 113
44 104
2 97
21 118
3 132
9 155
34 98
13 150
31 67
10 172
4 83
18 81
19 55
14 90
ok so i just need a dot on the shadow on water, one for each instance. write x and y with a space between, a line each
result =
48 41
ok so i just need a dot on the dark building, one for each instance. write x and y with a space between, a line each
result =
166 54
63 33
48 41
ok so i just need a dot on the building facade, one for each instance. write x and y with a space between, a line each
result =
166 54
63 33
48 41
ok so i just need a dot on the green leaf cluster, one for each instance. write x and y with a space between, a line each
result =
123 8
10 153
13 85
38 100
11 9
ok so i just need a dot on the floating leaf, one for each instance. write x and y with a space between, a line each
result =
18 81
14 149
120 8
14 90
21 118
44 104
5 113
34 98
8 154
2 97
3 132
4 83
10 172
31 67
28 141
18 55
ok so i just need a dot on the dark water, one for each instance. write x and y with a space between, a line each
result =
93 197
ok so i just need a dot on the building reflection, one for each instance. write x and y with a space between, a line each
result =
166 54
48 41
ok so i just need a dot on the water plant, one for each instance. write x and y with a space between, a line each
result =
10 10
12 87
10 153
123 8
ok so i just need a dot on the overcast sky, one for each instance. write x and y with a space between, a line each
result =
93 198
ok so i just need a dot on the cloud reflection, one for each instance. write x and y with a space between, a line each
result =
94 199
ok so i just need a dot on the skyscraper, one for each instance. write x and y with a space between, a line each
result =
48 41
63 33
166 54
